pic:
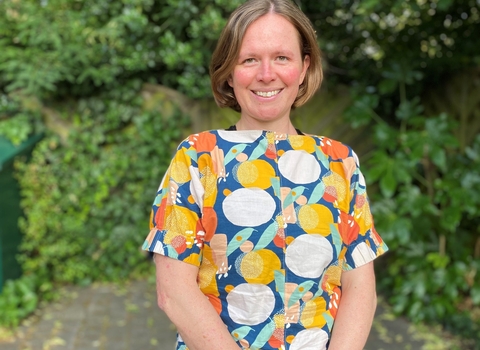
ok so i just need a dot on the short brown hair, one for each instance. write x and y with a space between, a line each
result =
225 56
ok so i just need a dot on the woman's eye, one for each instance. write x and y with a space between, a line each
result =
249 60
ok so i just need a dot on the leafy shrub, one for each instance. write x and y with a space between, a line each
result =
63 48
87 201
72 69
415 79
426 207
18 300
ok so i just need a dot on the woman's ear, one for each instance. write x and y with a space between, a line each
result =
306 64
230 81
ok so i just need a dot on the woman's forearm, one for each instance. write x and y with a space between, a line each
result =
194 316
356 310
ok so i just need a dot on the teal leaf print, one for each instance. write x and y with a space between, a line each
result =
317 193
240 238
293 196
233 152
263 336
300 291
267 236
192 154
280 283
328 317
158 198
322 157
259 150
171 251
275 181
241 332
337 239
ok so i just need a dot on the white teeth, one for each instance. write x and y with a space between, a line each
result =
267 94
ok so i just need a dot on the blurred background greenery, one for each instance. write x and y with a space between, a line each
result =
113 86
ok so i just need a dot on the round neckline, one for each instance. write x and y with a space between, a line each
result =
234 128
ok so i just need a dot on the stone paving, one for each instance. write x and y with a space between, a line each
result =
112 317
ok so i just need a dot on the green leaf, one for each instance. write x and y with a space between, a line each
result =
361 111
387 86
475 294
409 109
439 157
401 228
444 5
438 261
388 183
450 218
367 6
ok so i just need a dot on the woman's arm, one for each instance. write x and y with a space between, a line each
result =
180 298
356 310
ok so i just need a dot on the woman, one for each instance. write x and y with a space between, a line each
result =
262 235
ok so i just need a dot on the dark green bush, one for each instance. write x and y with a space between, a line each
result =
415 78
427 210
63 48
19 298
87 200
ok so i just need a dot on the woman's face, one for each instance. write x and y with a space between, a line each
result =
269 70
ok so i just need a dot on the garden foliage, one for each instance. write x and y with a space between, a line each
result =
87 199
74 70
415 78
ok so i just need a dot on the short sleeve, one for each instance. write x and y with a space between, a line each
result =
176 211
364 244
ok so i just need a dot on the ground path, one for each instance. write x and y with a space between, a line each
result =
112 317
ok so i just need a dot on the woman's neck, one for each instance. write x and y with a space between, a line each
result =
286 128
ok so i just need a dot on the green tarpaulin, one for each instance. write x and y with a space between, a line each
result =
10 211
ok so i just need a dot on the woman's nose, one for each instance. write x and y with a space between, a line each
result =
266 72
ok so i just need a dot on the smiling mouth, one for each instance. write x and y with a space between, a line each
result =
267 93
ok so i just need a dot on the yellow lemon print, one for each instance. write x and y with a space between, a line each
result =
315 218
207 273
300 142
179 172
255 173
258 267
312 313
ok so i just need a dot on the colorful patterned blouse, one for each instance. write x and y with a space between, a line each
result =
271 221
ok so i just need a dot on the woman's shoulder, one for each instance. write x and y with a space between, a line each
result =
334 149
197 139
208 139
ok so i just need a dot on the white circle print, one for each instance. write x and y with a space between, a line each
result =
250 304
299 167
308 255
310 339
249 207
